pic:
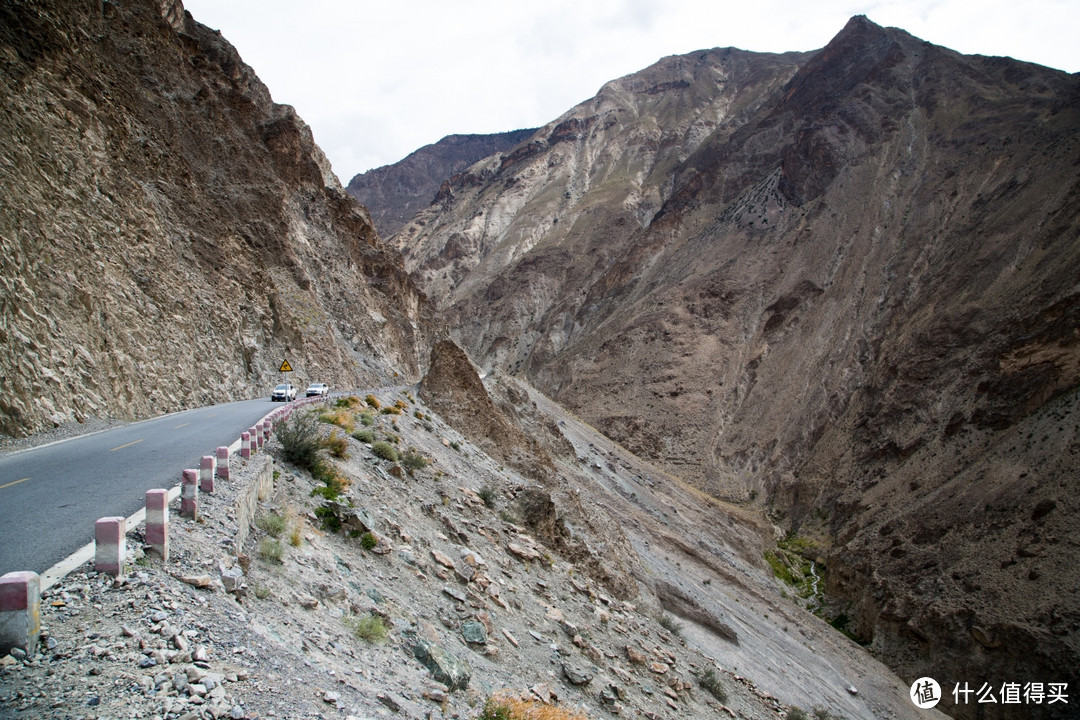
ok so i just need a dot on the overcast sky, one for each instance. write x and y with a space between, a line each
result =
378 80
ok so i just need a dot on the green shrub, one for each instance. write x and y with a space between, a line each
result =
710 682
368 627
271 523
493 710
333 484
367 420
350 402
300 442
384 450
330 521
487 494
368 541
365 436
271 550
372 401
413 461
797 713
390 410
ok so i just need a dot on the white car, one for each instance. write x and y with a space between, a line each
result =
318 390
283 393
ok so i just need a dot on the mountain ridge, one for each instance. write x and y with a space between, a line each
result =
400 189
837 305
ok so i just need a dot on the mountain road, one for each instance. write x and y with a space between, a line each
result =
51 496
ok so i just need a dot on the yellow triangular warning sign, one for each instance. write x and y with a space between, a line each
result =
285 367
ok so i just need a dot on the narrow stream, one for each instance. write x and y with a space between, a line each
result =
815 604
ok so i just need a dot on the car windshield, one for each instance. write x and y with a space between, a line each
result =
282 387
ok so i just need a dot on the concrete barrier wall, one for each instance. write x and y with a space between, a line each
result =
247 500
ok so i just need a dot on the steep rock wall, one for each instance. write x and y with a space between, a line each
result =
169 233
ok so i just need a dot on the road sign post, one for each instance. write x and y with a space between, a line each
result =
286 368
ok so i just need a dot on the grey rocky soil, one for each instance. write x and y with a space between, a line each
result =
483 579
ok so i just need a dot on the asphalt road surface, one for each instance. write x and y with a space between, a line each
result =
51 496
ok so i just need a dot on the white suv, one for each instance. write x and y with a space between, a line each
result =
318 389
284 393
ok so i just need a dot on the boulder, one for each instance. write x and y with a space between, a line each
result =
446 668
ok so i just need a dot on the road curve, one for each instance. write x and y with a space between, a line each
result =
51 496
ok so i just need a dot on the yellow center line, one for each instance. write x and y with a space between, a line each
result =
212 415
133 442
13 483
181 425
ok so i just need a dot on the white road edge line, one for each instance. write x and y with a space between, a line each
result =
86 553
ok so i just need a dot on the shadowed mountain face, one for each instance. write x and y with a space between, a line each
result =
169 234
842 284
394 193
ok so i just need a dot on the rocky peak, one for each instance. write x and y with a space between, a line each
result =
394 193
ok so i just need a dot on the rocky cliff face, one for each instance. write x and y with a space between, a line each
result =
169 233
841 284
394 193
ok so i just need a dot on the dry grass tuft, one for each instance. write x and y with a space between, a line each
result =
506 706
342 417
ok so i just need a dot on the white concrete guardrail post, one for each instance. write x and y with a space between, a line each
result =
253 439
222 462
206 473
245 445
260 434
110 545
157 522
189 494
20 611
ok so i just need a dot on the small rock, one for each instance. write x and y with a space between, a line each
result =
232 578
474 632
455 594
435 696
389 701
331 697
576 675
198 581
522 552
852 689
509 636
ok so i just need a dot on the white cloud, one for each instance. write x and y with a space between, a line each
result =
377 80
